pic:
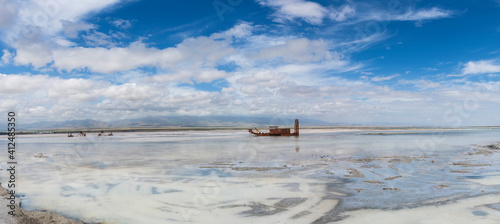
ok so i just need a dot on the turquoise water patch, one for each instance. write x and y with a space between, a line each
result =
480 213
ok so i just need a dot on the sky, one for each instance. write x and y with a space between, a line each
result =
389 62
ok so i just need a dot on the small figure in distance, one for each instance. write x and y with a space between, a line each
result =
70 135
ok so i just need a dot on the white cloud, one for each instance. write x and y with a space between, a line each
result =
263 79
188 76
8 10
180 76
121 23
314 13
209 75
55 98
256 91
7 56
204 51
298 50
274 73
71 29
34 27
317 71
48 17
228 90
15 84
481 67
342 13
105 60
8 104
288 10
193 58
384 78
423 14
241 30
423 84
197 54
32 90
37 110
130 92
364 42
70 10
62 42
32 53
96 38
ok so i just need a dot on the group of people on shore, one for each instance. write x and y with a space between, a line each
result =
84 135
103 134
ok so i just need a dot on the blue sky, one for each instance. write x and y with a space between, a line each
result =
388 62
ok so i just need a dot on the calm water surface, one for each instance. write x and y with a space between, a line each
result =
230 177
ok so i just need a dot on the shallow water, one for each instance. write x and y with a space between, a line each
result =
228 177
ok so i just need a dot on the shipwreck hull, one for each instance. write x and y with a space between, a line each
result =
275 131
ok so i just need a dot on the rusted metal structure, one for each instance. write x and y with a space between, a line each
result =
276 131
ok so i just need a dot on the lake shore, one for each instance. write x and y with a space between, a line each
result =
23 216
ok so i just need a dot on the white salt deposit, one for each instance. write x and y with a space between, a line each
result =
352 176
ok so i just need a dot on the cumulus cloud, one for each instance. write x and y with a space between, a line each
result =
120 23
57 98
188 76
15 84
8 10
50 14
209 75
264 79
34 27
204 51
269 73
129 92
241 30
45 47
261 83
298 50
481 67
288 10
36 17
7 56
32 90
195 52
105 60
33 53
179 76
71 29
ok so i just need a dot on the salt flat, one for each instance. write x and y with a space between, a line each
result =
349 176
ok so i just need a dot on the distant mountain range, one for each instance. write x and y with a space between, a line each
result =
173 121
